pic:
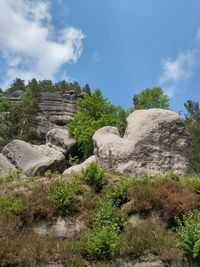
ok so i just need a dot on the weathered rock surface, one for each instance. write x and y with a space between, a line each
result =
25 157
61 139
155 140
80 167
5 166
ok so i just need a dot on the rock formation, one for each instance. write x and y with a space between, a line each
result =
80 167
56 109
35 160
155 140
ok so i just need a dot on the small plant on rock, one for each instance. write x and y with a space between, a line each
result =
94 176
189 232
63 194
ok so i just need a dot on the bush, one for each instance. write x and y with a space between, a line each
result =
11 176
147 238
101 243
189 232
102 240
38 206
94 112
63 194
94 176
119 193
32 250
169 198
10 205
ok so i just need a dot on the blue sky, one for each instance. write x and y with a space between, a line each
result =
119 46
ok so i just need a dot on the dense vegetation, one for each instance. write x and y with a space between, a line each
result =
124 218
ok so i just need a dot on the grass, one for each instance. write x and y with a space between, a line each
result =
147 238
101 206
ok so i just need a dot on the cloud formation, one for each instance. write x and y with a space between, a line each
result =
28 42
175 73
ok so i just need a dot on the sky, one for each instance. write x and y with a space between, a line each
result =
118 46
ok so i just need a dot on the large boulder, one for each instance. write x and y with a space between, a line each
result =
78 168
5 166
155 140
30 160
61 140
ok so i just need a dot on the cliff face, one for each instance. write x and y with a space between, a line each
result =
56 109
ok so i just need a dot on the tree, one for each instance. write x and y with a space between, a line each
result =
5 105
94 112
86 89
18 84
151 98
192 119
20 122
46 86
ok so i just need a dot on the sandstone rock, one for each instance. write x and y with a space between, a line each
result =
155 140
80 167
60 119
5 166
51 153
61 140
28 159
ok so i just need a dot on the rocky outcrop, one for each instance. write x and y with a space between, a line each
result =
80 167
56 108
33 160
25 157
5 165
155 140
61 139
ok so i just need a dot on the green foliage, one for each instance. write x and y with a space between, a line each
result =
119 193
63 194
94 176
73 160
10 205
189 232
101 243
11 176
94 113
5 105
103 239
18 84
151 98
147 237
193 125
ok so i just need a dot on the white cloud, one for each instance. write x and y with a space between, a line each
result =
175 73
28 43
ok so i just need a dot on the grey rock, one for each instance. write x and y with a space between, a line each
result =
60 119
155 140
78 168
61 140
5 166
52 153
28 159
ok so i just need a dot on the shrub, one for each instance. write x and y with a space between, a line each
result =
101 243
147 238
189 232
169 198
102 240
10 205
175 201
119 193
32 250
94 176
38 206
63 194
11 176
